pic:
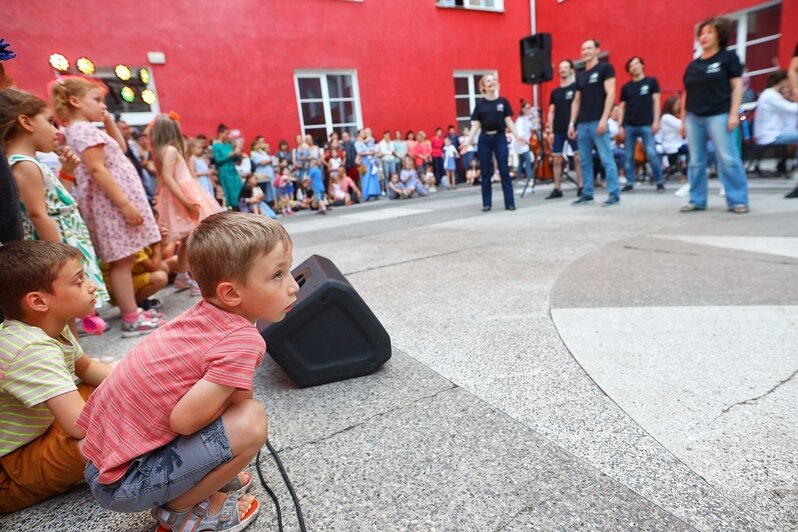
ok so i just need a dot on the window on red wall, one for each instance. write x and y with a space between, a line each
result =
466 94
756 40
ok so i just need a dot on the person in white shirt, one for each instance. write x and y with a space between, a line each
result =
390 162
524 126
776 118
674 145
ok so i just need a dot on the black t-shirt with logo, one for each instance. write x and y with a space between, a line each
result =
639 99
562 98
590 83
707 83
491 113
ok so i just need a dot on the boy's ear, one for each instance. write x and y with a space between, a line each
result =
35 302
228 294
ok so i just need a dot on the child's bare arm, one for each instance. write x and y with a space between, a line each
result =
92 372
66 408
203 403
31 192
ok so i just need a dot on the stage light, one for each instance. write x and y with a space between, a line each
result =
127 94
144 75
148 96
59 62
85 65
122 72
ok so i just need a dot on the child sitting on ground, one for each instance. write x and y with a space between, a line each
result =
472 172
186 391
150 275
42 287
252 199
396 190
285 192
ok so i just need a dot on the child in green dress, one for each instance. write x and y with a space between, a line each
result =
48 210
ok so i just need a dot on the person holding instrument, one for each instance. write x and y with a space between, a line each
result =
490 117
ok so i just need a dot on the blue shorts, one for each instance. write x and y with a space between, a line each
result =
165 473
319 196
559 143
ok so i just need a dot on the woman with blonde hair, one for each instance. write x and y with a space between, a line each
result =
490 117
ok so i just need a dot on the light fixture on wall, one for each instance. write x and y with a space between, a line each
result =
127 94
144 75
59 62
122 72
148 96
85 65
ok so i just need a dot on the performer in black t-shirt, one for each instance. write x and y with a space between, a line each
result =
491 115
713 94
639 118
590 110
557 126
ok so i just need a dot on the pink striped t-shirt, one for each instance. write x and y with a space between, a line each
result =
128 415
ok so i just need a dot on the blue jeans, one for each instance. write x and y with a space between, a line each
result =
586 138
525 164
488 146
389 168
644 132
730 166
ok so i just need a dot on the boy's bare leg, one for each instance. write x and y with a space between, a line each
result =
246 426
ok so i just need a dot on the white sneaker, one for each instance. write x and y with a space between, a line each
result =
683 191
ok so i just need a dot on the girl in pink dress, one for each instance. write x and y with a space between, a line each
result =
181 202
110 195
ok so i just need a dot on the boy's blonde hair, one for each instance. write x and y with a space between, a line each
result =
66 86
30 266
224 246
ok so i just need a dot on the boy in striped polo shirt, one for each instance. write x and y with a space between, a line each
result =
42 287
174 425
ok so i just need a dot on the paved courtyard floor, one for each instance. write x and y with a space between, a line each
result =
554 368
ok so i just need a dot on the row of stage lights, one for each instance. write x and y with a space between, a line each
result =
86 66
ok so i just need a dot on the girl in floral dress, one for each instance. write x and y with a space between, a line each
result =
109 192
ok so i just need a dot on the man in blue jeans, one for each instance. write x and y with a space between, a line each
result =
590 110
639 110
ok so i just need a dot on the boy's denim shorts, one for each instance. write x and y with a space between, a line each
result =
165 473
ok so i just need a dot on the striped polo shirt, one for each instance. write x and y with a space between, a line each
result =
33 369
128 415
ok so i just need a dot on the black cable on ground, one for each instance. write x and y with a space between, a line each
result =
298 508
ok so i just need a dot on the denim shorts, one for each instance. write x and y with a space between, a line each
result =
559 143
165 473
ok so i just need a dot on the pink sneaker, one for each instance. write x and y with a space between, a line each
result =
183 284
139 327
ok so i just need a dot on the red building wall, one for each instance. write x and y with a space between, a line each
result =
234 61
661 32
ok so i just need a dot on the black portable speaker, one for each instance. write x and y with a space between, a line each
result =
330 334
536 58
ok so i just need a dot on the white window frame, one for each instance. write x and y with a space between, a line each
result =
325 96
741 46
473 89
474 5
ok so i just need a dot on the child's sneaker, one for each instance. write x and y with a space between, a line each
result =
152 315
181 284
139 327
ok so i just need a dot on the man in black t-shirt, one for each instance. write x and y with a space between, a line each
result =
557 126
590 110
639 118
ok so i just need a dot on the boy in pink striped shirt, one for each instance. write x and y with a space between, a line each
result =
173 426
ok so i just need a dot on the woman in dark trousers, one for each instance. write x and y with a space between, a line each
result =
713 93
491 115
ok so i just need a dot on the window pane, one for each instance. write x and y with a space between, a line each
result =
309 88
764 22
319 134
339 86
463 107
461 124
313 114
733 35
762 55
342 112
477 78
460 86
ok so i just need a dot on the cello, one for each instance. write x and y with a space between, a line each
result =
544 161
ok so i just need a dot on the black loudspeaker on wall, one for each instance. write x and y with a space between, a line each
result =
330 334
536 58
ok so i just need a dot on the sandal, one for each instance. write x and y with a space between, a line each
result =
739 209
236 486
198 519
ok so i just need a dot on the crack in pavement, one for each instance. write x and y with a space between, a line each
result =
416 259
755 399
721 256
